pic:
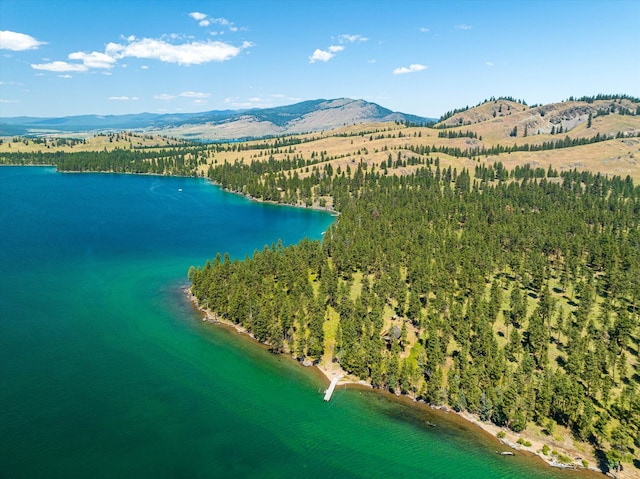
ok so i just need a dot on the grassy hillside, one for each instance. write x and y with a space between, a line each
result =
487 126
374 143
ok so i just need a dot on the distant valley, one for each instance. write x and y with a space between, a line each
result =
304 117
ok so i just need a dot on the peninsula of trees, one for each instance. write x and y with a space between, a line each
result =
516 299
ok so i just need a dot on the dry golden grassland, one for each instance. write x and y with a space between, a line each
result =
373 144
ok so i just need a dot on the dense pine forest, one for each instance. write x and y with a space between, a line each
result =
514 299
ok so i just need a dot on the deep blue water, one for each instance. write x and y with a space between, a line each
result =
107 371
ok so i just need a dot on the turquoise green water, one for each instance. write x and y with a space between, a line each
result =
106 370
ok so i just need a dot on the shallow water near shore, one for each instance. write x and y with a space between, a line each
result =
106 369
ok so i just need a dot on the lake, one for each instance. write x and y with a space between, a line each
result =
106 370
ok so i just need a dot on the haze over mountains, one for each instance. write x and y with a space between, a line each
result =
307 116
497 120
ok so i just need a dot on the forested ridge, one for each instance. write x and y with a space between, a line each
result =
517 300
166 161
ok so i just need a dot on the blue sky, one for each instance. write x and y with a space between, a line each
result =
68 57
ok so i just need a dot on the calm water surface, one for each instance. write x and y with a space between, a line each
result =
106 370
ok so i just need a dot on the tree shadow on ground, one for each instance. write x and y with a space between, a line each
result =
603 464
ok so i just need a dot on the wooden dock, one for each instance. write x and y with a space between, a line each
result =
332 386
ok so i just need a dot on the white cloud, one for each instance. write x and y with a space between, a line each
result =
463 27
489 64
144 67
221 21
326 55
94 59
166 49
18 41
345 38
267 101
89 60
320 56
414 67
237 104
201 18
194 94
253 102
164 97
281 96
424 30
58 66
193 53
8 101
204 21
373 60
123 98
65 76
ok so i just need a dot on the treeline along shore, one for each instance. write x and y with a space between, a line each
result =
513 300
512 295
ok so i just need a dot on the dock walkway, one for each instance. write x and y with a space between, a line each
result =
332 386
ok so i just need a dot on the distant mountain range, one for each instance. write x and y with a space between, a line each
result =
307 116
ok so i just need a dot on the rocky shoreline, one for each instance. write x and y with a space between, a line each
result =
524 442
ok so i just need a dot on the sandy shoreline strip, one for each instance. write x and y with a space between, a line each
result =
329 370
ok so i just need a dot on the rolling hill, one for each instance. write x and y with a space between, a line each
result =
600 134
497 118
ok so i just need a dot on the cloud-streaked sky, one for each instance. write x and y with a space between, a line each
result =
72 57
